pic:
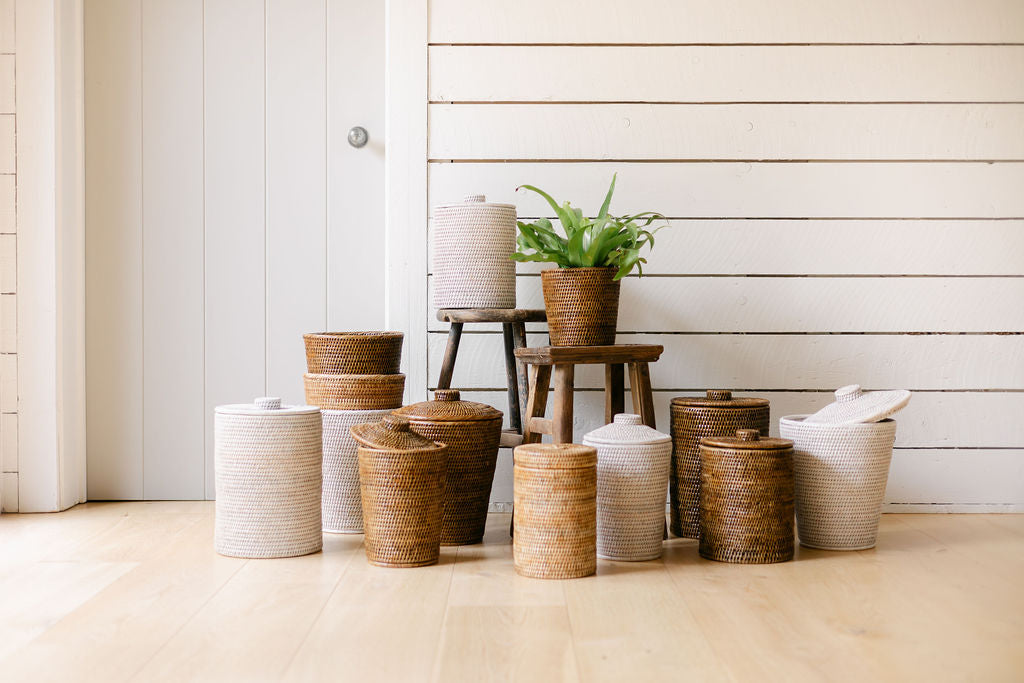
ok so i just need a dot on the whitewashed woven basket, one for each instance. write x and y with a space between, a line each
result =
342 507
267 463
841 472
633 463
472 243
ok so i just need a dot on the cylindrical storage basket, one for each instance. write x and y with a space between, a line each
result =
746 499
267 474
353 353
841 472
401 477
632 478
472 432
693 419
342 507
555 511
473 242
354 392
582 305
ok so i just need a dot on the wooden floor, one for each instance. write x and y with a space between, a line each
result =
134 591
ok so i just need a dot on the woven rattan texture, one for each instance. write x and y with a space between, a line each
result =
555 520
841 472
354 392
690 424
746 505
353 353
448 406
267 473
582 305
342 507
472 246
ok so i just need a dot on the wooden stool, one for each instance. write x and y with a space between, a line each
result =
513 327
564 359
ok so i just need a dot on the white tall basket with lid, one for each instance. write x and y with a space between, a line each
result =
633 463
342 507
472 245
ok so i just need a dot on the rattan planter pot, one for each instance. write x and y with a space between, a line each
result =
342 507
746 499
693 419
841 472
354 392
582 305
353 353
555 511
472 432
401 476
267 473
632 477
472 244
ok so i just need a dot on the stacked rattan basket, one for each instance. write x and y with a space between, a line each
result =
353 377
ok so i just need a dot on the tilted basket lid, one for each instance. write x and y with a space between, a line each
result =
853 405
555 456
265 405
626 428
447 406
392 433
474 201
718 398
747 439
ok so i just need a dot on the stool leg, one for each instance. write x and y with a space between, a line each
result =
519 342
561 431
640 388
537 403
511 379
614 390
450 352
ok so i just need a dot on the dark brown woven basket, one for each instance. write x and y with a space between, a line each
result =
354 392
746 499
353 353
401 481
472 432
582 305
693 419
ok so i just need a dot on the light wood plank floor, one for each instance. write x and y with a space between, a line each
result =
134 591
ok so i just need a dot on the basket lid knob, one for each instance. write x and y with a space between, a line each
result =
447 395
396 423
748 435
851 392
626 419
475 198
719 395
268 403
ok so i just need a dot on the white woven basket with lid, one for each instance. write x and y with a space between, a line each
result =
268 476
633 463
473 242
342 507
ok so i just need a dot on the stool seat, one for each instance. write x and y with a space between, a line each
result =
491 315
591 355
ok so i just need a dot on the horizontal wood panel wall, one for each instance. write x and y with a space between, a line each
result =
843 186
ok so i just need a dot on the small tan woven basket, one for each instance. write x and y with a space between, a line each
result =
354 392
401 478
555 511
267 470
582 305
746 499
693 419
342 507
353 353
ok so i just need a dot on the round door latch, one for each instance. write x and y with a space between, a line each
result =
357 136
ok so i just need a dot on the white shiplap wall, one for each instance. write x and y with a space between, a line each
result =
844 181
8 265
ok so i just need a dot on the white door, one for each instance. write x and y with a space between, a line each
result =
226 214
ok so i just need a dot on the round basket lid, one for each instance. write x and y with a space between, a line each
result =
853 405
555 456
474 200
626 428
265 405
392 433
447 406
747 439
719 398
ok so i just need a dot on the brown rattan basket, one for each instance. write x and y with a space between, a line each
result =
582 305
472 432
746 499
555 511
353 353
401 481
354 392
693 419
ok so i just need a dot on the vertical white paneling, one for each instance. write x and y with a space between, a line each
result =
296 188
8 264
9 491
355 177
172 219
8 383
9 442
114 365
7 193
8 323
235 208
7 26
7 164
6 83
